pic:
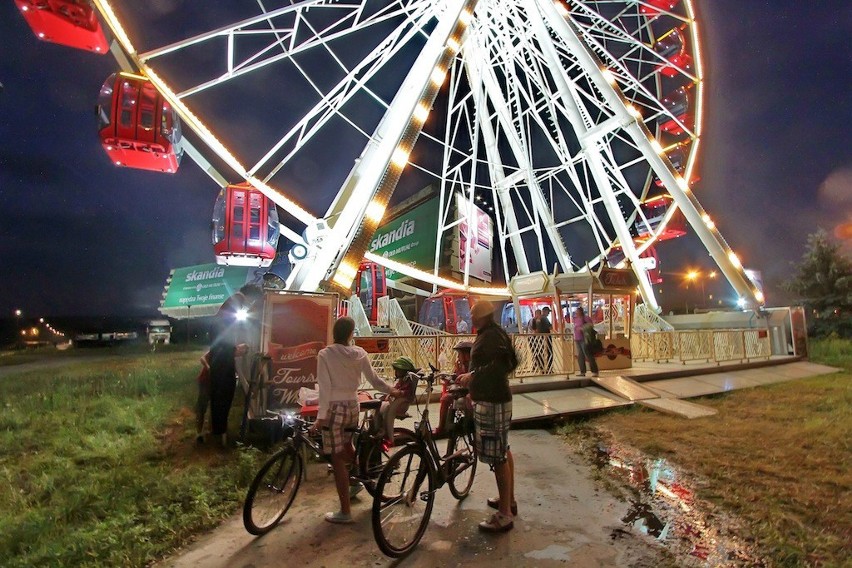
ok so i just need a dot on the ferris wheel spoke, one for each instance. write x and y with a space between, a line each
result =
331 103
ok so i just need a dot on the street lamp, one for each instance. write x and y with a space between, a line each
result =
18 315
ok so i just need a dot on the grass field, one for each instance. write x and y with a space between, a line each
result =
98 464
778 457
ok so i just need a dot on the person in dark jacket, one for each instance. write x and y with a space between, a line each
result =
228 344
492 359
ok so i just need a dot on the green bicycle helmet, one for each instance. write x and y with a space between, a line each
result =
404 364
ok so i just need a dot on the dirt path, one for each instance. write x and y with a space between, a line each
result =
564 519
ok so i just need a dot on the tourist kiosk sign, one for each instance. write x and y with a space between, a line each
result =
196 291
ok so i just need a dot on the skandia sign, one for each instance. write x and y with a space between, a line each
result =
196 275
389 238
409 238
201 289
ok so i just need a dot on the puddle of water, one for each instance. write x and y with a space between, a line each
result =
551 552
664 508
642 517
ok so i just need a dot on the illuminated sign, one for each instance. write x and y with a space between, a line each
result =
475 240
409 238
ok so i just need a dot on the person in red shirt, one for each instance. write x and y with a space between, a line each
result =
397 407
462 349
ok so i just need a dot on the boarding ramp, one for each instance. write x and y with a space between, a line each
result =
646 319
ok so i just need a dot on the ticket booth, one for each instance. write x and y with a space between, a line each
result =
607 295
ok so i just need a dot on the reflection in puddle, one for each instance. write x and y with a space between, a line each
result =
641 516
663 507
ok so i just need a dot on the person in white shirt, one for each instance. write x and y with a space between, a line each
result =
462 327
339 370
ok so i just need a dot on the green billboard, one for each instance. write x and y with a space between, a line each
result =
199 290
409 238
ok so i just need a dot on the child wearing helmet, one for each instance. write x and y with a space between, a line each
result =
397 407
462 349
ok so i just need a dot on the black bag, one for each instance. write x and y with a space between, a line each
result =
590 336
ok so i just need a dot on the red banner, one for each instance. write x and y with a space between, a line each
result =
296 327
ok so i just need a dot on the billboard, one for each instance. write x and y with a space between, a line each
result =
475 241
409 238
295 328
194 291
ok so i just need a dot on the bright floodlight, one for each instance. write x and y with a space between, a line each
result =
242 314
741 302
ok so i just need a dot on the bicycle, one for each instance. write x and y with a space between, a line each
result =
276 484
401 504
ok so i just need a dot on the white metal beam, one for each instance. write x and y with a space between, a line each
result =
677 186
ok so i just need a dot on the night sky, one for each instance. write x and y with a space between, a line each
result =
80 236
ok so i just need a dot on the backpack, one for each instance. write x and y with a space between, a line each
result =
590 337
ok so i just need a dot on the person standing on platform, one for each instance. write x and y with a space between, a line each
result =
462 327
581 320
535 340
492 359
544 327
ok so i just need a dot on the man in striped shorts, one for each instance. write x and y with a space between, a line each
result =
492 359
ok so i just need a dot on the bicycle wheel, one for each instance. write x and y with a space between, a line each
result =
461 469
272 491
373 455
403 502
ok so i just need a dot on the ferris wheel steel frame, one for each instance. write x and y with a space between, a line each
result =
542 38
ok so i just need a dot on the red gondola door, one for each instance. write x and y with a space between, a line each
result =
245 227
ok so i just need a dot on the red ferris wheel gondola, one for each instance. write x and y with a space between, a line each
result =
653 8
137 127
672 47
677 103
677 156
67 22
245 227
370 285
655 209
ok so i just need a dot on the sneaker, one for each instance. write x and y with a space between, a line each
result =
595 374
497 523
339 518
580 375
494 503
355 489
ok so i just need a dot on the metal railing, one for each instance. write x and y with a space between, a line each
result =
356 311
646 319
716 345
538 354
392 316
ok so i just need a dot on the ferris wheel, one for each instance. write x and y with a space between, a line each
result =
578 122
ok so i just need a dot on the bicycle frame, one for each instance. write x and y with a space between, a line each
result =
425 437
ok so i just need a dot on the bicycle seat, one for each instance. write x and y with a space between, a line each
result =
370 404
458 391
